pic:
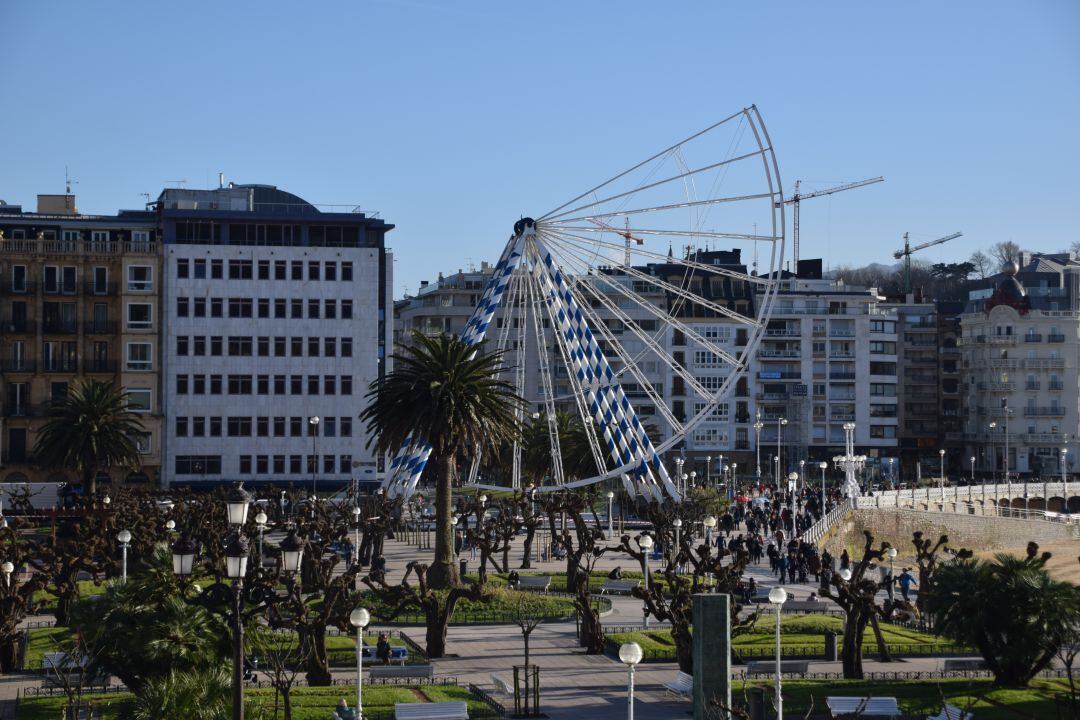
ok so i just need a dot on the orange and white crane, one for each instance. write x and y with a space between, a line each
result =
908 250
795 200
626 236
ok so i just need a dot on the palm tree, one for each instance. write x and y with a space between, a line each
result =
1009 609
448 393
91 429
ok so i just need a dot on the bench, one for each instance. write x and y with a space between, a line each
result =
431 711
767 667
534 582
682 685
863 707
501 685
59 667
950 712
811 606
378 672
398 654
618 586
964 664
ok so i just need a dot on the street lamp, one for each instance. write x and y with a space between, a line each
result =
677 524
630 653
993 452
7 568
941 456
170 525
1064 452
793 479
845 574
356 533
124 536
757 444
237 502
645 542
610 504
972 458
778 596
313 421
359 619
823 467
780 423
708 469
260 523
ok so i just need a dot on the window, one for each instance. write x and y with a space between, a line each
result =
198 426
215 384
240 270
313 270
819 389
239 384
198 346
279 464
245 464
279 270
882 348
330 271
217 268
329 347
279 347
313 347
264 307
181 427
296 463
330 309
238 427
138 400
296 308
279 427
183 268
296 427
101 280
346 309
883 431
313 384
240 307
216 305
313 309
704 358
330 385
296 346
262 385
182 345
296 384
264 269
140 315
200 269
346 347
239 346
143 442
51 279
140 278
261 464
346 385
215 427
199 307
262 427
181 307
883 326
215 346
198 465
198 384
279 309
297 270
329 463
346 271
279 384
346 426
882 368
139 356
181 384
882 390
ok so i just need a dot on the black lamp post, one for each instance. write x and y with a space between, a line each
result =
236 604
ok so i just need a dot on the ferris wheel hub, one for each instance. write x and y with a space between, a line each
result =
525 226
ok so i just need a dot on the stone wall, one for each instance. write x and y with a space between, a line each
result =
964 531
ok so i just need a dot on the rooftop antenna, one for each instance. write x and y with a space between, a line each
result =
178 183
68 181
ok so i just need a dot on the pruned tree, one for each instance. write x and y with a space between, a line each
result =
437 606
16 596
527 611
927 556
283 662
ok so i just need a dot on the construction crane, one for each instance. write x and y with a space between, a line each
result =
908 250
626 236
798 197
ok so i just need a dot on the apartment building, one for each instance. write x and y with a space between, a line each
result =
1020 346
78 301
275 323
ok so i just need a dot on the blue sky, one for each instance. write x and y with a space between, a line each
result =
452 119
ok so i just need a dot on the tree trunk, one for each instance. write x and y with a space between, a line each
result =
67 595
435 636
313 642
684 644
883 649
851 651
506 557
442 574
286 702
526 560
9 653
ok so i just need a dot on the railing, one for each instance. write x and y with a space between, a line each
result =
1056 386
1042 363
106 327
1055 338
29 287
9 365
1033 338
59 328
1032 385
100 289
819 529
841 376
34 246
1044 411
781 333
26 327
99 366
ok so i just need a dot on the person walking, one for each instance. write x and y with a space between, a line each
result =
906 580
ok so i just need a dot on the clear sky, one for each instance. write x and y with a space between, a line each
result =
452 119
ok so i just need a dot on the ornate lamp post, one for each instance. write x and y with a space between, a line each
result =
710 523
260 523
124 536
708 469
823 466
677 524
610 505
793 481
777 597
356 533
7 568
941 456
645 542
630 653
757 444
780 423
359 619
313 421
993 451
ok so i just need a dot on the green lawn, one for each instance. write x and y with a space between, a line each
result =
796 632
40 641
919 698
494 612
308 703
558 580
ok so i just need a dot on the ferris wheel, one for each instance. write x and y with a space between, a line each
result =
655 283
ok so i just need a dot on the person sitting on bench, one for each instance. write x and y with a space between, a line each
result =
343 711
615 574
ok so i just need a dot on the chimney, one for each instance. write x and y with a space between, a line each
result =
56 205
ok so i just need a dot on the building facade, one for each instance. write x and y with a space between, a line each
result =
1021 347
78 300
275 324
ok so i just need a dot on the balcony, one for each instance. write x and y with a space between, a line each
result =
1000 363
1001 339
1044 411
1032 385
1043 364
1055 338
27 288
69 365
20 458
1033 338
1056 386
778 375
22 409
772 396
104 327
26 327
35 246
99 367
841 417
781 332
16 366
58 327
779 354
841 376
841 355
999 387
101 290
1054 438
841 332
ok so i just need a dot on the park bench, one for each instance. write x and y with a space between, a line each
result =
379 672
618 586
863 707
766 667
501 685
810 606
534 582
398 654
954 664
682 685
59 667
431 711
949 712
